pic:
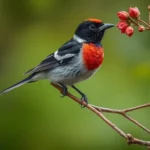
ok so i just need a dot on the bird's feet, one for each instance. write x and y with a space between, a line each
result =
84 98
63 91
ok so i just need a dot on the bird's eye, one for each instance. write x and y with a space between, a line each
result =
92 26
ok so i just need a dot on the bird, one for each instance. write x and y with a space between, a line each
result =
75 61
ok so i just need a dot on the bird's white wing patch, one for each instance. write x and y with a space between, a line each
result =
58 57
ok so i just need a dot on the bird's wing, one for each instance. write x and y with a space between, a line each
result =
47 63
61 57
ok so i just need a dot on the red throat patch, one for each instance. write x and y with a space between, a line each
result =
94 20
92 56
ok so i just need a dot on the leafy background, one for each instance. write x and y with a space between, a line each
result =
34 117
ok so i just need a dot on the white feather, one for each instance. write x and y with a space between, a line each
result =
58 57
78 39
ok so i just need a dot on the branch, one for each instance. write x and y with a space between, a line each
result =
123 112
99 111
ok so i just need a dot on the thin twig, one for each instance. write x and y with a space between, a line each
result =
137 22
134 22
124 112
140 20
136 108
99 111
149 14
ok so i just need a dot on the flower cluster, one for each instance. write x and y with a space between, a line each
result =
130 19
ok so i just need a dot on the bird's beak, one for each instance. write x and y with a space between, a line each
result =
106 26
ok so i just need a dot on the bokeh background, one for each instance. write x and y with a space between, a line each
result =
34 117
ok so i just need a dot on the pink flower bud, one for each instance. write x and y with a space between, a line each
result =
134 12
123 15
141 28
122 25
129 31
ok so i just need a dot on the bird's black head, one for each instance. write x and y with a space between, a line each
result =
92 30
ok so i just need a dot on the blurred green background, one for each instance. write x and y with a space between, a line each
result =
34 117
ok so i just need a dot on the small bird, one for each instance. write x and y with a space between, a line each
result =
76 60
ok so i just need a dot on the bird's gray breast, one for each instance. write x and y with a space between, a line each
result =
70 73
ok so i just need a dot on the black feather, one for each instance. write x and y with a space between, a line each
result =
50 62
71 47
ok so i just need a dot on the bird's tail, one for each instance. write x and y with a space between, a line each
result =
26 80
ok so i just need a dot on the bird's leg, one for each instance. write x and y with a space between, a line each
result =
64 90
83 96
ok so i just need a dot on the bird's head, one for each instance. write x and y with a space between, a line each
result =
91 30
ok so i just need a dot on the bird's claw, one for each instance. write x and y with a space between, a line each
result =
84 98
64 91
